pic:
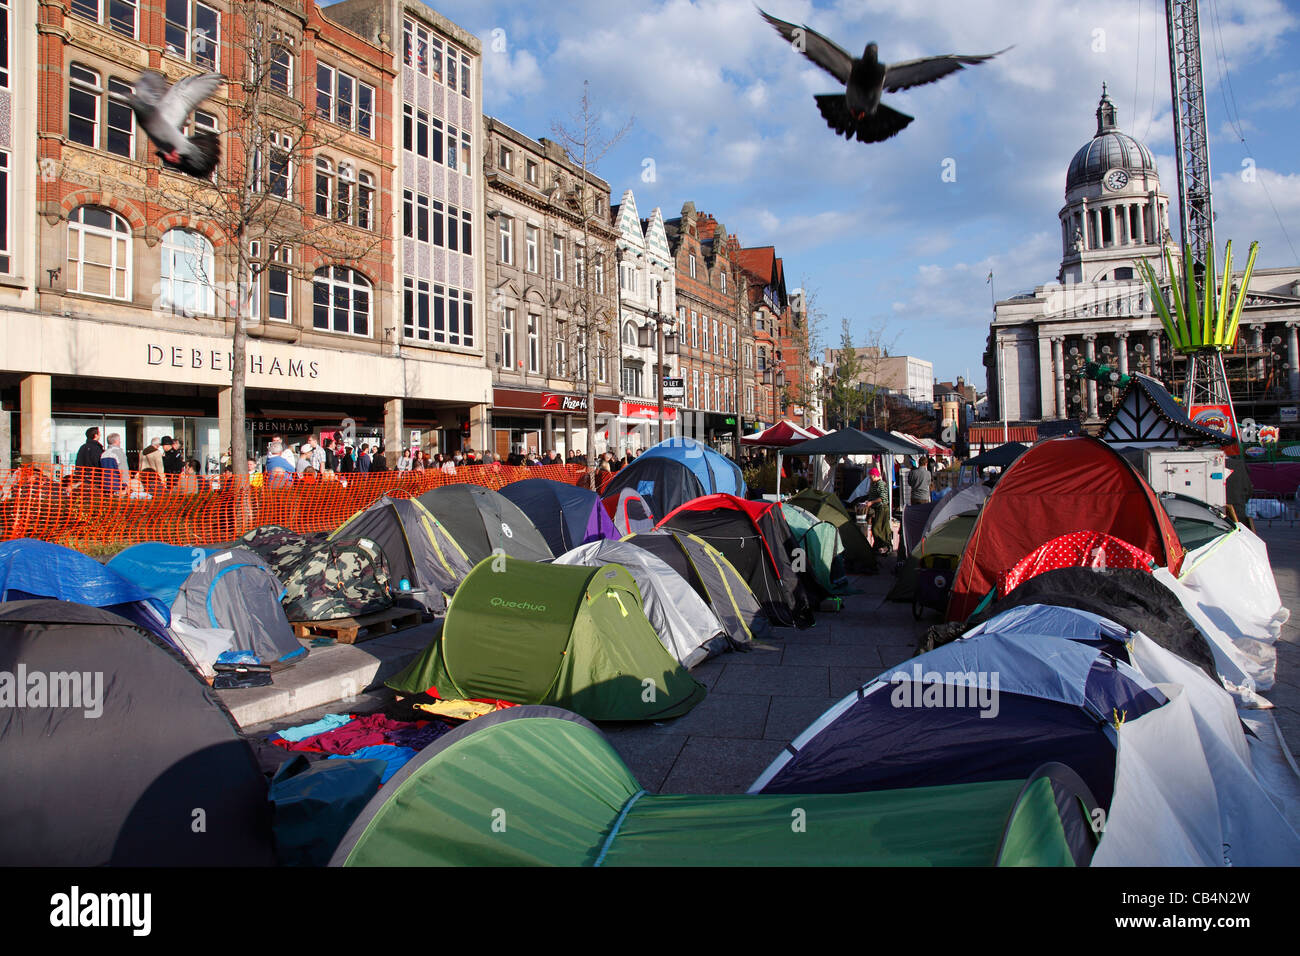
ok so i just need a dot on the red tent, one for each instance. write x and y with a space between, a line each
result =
1079 549
1059 486
754 537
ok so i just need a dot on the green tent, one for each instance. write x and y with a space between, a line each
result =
948 539
539 786
568 635
821 546
824 506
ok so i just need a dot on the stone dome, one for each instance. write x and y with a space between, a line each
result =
1108 149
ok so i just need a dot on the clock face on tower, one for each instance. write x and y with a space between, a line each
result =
1116 179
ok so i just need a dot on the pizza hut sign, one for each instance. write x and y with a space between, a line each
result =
565 403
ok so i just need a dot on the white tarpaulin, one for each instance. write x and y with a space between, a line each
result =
1227 588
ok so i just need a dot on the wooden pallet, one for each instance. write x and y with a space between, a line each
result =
354 630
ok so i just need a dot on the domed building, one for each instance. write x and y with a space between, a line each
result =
1116 214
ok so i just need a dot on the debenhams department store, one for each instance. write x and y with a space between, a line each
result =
60 374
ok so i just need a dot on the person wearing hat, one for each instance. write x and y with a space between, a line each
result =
877 507
173 462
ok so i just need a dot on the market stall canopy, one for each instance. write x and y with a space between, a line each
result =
897 446
1000 457
781 435
847 441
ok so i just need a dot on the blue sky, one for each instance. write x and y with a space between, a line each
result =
724 110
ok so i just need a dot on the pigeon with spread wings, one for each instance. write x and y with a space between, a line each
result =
858 110
163 111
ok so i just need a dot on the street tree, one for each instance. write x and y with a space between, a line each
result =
270 216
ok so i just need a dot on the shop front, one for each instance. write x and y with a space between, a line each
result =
526 421
640 426
63 375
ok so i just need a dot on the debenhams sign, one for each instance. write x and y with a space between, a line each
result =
218 360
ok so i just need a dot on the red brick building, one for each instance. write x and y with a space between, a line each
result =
710 323
142 289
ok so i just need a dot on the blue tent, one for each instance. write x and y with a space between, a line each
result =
32 569
665 484
717 472
566 515
1037 699
225 588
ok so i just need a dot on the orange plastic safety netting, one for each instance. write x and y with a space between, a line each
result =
96 506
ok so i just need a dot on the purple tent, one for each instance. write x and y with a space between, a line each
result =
566 515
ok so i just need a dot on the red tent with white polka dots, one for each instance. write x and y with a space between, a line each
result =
1078 549
1058 487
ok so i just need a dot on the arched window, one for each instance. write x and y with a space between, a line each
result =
187 273
341 299
99 253
629 333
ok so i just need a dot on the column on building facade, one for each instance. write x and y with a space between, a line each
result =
1257 343
1058 373
1293 357
1090 353
1155 354
1085 221
480 428
225 416
1121 339
36 422
568 435
394 439
548 433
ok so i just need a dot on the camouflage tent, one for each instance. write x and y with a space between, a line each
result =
346 577
279 547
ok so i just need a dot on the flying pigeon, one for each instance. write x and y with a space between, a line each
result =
162 111
858 110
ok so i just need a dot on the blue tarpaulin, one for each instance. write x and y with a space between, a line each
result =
38 569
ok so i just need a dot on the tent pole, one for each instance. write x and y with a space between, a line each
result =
778 474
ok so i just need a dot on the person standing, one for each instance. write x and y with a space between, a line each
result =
918 483
378 460
275 459
91 451
173 462
331 456
116 455
151 462
363 459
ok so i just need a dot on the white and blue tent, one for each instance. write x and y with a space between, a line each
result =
215 589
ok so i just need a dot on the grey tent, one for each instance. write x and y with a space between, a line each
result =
485 522
231 589
686 625
418 548
1196 522
119 760
968 500
714 579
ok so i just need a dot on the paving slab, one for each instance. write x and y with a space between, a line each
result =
720 715
791 680
718 765
328 674
788 717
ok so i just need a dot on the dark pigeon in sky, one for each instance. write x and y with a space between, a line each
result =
858 110
163 112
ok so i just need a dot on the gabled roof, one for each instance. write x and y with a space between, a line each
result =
1148 415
